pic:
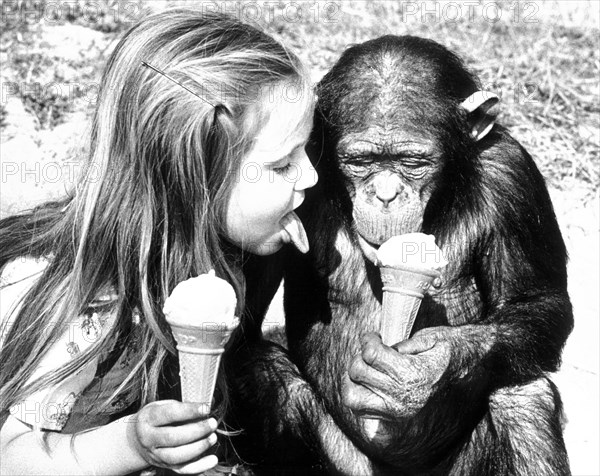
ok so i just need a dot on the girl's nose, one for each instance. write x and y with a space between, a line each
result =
308 175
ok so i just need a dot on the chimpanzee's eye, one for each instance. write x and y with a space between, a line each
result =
358 167
414 162
413 168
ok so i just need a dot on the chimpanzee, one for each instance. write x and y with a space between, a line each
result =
405 140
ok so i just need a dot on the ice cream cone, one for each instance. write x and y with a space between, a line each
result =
200 312
403 290
200 350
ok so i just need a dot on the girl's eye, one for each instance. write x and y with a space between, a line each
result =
282 170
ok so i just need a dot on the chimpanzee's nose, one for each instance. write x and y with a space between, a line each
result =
387 187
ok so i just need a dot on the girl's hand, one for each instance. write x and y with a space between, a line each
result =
174 435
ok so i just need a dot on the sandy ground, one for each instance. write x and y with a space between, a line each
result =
578 378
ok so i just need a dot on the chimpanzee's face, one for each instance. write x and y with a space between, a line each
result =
390 127
389 174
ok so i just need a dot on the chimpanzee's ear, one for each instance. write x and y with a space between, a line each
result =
482 113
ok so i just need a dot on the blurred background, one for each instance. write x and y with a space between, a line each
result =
541 57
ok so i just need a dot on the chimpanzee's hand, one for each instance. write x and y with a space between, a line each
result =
396 382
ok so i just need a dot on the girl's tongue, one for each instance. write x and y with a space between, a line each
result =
295 230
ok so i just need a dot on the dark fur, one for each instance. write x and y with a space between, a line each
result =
494 412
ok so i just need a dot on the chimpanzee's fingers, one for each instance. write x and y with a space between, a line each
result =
360 399
416 344
362 373
379 356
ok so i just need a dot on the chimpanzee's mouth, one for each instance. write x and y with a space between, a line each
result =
376 228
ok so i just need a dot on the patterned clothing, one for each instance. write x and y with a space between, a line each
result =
77 402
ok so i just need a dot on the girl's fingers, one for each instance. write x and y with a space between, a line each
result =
168 412
171 436
199 466
182 454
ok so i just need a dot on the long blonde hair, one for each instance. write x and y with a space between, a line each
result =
149 211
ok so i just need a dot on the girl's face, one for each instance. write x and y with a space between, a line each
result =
272 181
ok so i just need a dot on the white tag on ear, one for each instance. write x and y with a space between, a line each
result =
478 107
479 99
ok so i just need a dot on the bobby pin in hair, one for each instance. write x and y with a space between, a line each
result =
170 78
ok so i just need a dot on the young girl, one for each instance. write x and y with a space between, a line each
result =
197 155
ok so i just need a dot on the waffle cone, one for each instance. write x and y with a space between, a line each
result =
403 291
200 350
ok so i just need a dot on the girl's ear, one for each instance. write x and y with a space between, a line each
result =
482 111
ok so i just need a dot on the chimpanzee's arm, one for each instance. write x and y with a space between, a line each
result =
285 425
518 259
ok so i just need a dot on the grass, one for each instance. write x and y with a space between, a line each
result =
543 58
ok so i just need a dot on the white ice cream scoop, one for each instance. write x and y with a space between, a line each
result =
412 249
201 313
